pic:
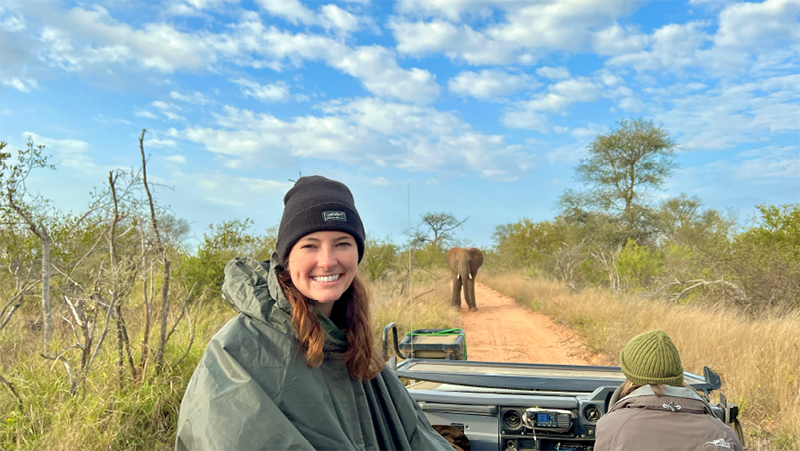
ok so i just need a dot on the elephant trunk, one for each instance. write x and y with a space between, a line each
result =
463 270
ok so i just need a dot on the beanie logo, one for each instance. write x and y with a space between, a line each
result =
334 216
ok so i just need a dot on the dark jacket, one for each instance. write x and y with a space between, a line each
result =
253 390
677 420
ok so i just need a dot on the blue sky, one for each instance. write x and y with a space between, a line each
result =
482 107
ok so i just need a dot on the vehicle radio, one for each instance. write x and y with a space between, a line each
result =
554 420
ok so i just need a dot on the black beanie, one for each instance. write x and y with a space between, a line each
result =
317 204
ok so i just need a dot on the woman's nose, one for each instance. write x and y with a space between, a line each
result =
327 258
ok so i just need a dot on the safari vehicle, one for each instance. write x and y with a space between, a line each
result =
518 406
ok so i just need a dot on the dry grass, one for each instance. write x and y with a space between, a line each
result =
428 307
143 415
757 358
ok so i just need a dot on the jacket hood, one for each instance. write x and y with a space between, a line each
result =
251 287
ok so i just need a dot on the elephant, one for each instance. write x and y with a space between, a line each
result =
464 264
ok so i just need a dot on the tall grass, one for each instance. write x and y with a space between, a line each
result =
142 415
427 306
757 358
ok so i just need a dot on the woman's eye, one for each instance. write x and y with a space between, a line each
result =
344 244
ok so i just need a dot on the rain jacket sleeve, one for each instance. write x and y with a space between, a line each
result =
228 410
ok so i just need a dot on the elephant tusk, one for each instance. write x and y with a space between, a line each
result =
458 276
470 276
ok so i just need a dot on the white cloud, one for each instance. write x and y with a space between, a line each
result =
145 113
632 104
732 114
101 40
330 16
530 28
227 190
368 132
275 92
70 153
104 120
553 73
21 84
525 118
375 66
11 22
673 47
746 178
454 41
195 97
153 142
91 40
488 84
766 25
176 158
379 72
164 106
558 98
173 116
616 40
528 114
750 37
452 9
194 7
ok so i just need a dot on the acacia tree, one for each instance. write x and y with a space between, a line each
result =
436 229
623 166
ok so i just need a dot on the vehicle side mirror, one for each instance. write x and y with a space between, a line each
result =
712 378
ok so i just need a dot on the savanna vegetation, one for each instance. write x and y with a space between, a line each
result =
104 313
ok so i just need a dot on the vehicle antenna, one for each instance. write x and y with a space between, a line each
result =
410 250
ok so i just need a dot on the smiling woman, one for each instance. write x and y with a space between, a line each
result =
297 368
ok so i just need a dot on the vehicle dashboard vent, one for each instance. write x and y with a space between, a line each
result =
592 414
512 419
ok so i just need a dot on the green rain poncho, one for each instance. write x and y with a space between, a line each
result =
252 389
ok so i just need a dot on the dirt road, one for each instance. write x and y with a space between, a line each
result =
504 331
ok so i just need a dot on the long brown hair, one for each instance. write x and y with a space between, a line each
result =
361 357
659 390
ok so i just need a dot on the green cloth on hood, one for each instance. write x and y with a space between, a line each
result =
252 389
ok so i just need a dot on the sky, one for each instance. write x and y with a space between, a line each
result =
477 108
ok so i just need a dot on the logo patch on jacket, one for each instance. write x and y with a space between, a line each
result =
720 442
334 216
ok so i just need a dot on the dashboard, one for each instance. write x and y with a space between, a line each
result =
510 407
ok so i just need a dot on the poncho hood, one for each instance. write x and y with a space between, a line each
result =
251 287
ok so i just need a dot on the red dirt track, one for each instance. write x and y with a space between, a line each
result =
504 331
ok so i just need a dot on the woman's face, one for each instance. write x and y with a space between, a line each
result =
323 264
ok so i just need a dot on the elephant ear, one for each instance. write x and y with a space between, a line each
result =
476 260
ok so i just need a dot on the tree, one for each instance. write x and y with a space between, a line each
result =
766 257
379 257
634 158
16 206
437 230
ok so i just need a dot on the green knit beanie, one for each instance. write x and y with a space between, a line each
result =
652 358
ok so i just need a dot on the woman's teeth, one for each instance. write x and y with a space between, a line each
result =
327 278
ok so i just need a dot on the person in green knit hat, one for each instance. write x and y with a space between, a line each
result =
656 410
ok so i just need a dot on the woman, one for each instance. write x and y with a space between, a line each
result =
656 410
297 368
